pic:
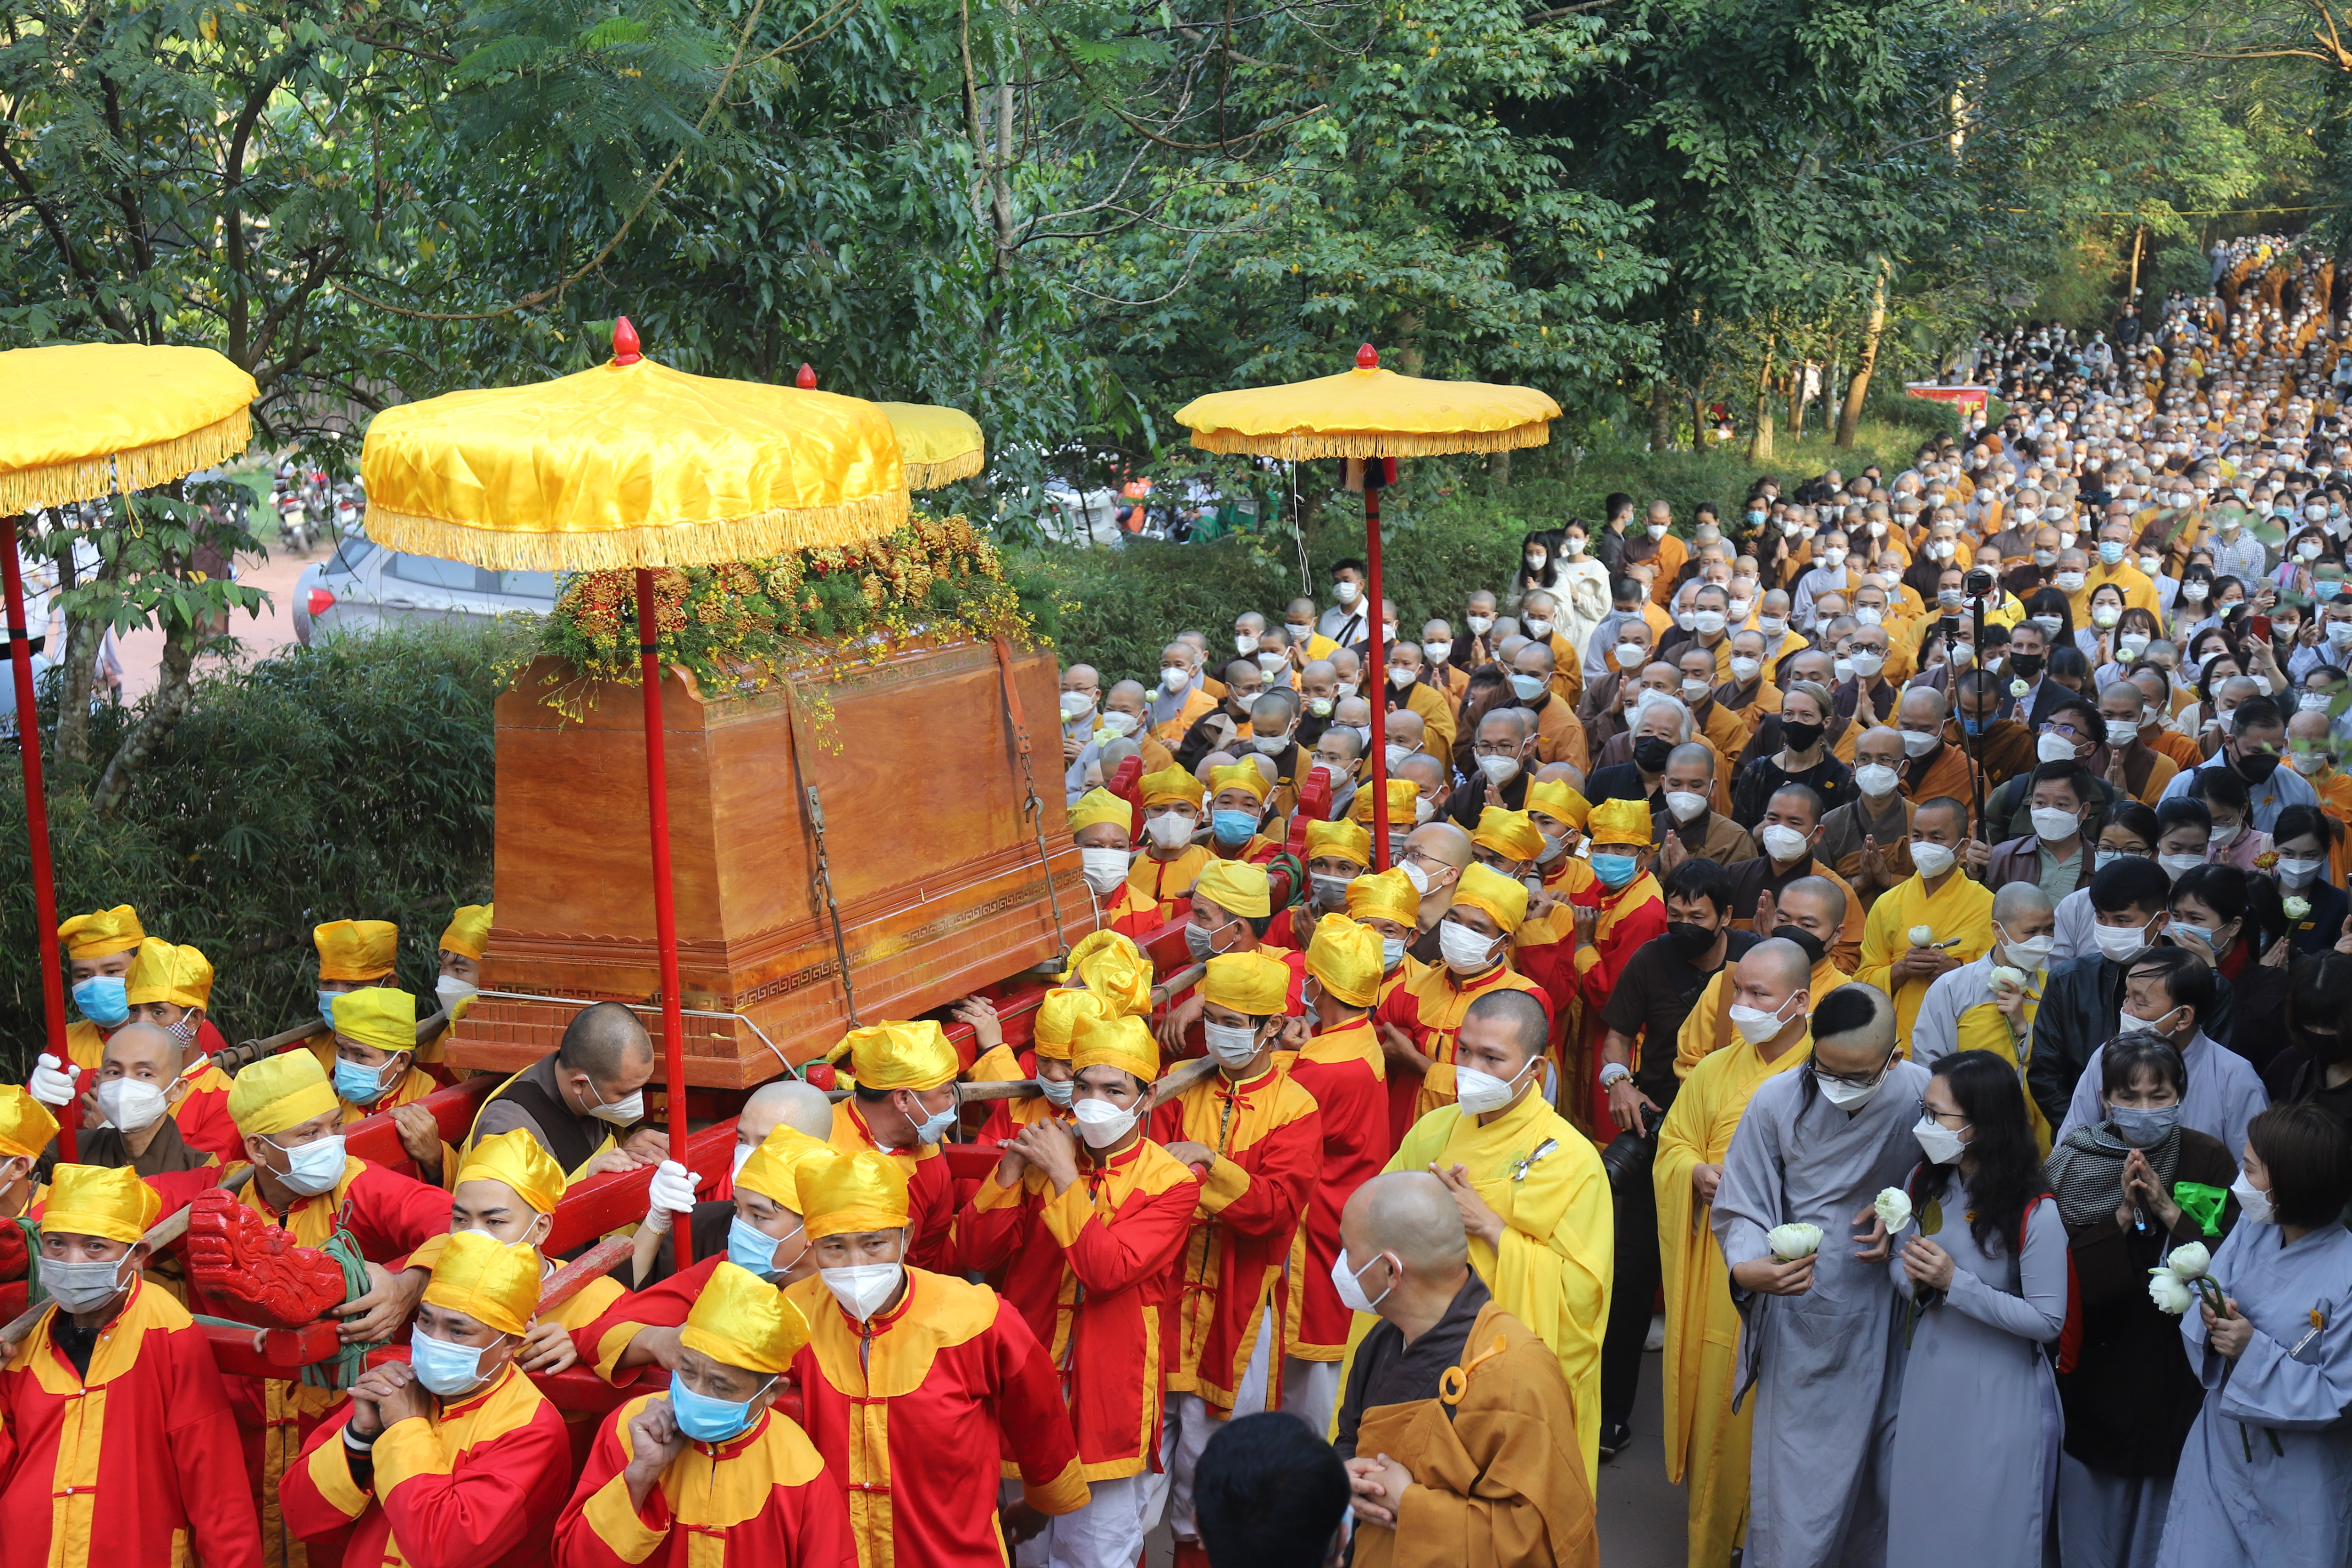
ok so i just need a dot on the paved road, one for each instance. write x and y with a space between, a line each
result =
142 652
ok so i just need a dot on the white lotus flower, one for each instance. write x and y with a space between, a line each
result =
1922 936
1894 1207
2189 1262
1790 1242
2169 1291
2008 975
2296 908
2017 688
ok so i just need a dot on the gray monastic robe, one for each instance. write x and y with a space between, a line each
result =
2266 1477
1822 1365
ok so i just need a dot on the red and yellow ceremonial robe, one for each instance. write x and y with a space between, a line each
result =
1166 886
1346 1071
931 1191
1588 972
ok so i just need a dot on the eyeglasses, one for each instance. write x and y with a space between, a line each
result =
1858 1079
1928 1112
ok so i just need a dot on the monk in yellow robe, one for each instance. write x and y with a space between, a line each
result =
1810 912
1532 1193
1706 1444
1935 923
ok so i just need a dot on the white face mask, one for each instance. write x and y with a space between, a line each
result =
1687 804
2053 748
314 1167
1100 1123
1168 829
1234 1045
863 1289
1481 624
1463 950
1919 743
2225 833
1436 652
129 1103
1743 669
1771 626
1783 843
625 1111
1244 644
1345 592
1931 859
2296 870
1480 1092
1416 874
1875 780
1755 1025
2119 942
1174 679
1630 657
1938 1143
1349 1282
1076 705
1499 771
1847 1096
1708 622
2253 1203
1867 664
1104 869
2053 826
449 988
84 1287
2030 953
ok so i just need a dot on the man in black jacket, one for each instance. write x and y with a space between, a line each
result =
2083 1000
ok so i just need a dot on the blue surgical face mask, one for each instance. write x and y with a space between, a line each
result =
103 999
1614 870
327 1007
1973 726
750 1247
360 1085
704 1419
934 1126
1233 826
444 1368
1392 954
1057 1090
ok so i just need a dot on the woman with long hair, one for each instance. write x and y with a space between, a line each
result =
1980 1273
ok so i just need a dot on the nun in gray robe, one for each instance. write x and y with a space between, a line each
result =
2265 1480
1821 1366
1978 1418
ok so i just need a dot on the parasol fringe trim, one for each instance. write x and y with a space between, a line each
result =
622 549
1305 444
141 468
932 475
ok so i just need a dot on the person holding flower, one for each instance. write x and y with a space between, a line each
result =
2314 903
2266 1473
2130 1399
1979 1274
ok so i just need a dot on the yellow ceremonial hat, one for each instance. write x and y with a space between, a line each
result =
1389 896
1484 888
379 1017
1111 966
897 1056
1236 887
1404 798
1058 1013
522 1163
490 1282
1100 805
1247 982
1339 840
1122 1043
101 1200
1556 798
25 1124
1509 834
280 1091
740 1320
356 949
1619 821
1170 786
468 932
772 1169
96 935
847 1193
1344 958
162 972
1246 775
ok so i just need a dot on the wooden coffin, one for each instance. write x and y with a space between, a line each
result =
937 871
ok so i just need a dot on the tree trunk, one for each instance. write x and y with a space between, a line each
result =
1661 416
1498 470
83 638
1759 444
164 711
1850 416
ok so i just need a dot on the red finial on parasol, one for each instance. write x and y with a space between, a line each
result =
624 343
1368 358
806 380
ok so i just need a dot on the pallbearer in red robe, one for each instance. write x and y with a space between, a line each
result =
1102 825
1343 1067
117 1449
915 1386
1387 903
711 1475
452 1459
1087 1220
904 1104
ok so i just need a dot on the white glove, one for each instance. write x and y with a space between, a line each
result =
51 1086
671 1193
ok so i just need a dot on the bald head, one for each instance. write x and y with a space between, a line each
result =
785 1102
1410 1215
2015 900
1442 841
1854 1030
609 1043
1777 965
143 1051
1405 728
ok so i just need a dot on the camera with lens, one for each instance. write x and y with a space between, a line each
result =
1978 583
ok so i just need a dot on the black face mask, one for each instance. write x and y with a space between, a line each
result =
2258 768
1801 737
1814 947
2025 666
1650 754
1690 939
2329 1047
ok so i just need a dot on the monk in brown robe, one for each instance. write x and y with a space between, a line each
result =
1455 1421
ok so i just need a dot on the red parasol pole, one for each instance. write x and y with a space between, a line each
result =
665 907
1376 678
37 819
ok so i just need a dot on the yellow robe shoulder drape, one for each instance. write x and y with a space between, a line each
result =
1961 908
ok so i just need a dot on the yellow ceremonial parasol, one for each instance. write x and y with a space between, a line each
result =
1373 413
79 421
632 464
938 446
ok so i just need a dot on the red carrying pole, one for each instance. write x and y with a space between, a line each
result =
37 818
1376 678
665 906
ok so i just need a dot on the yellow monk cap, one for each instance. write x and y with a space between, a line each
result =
1389 896
1058 1020
97 935
1247 982
377 1016
1404 804
773 1168
1240 775
1170 786
356 949
1122 1043
1098 806
1344 958
740 1320
847 1193
1619 821
1484 888
1111 966
162 972
280 1091
1558 798
897 1056
522 1163
25 1124
1236 887
490 1282
1509 834
1339 840
468 932
101 1200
